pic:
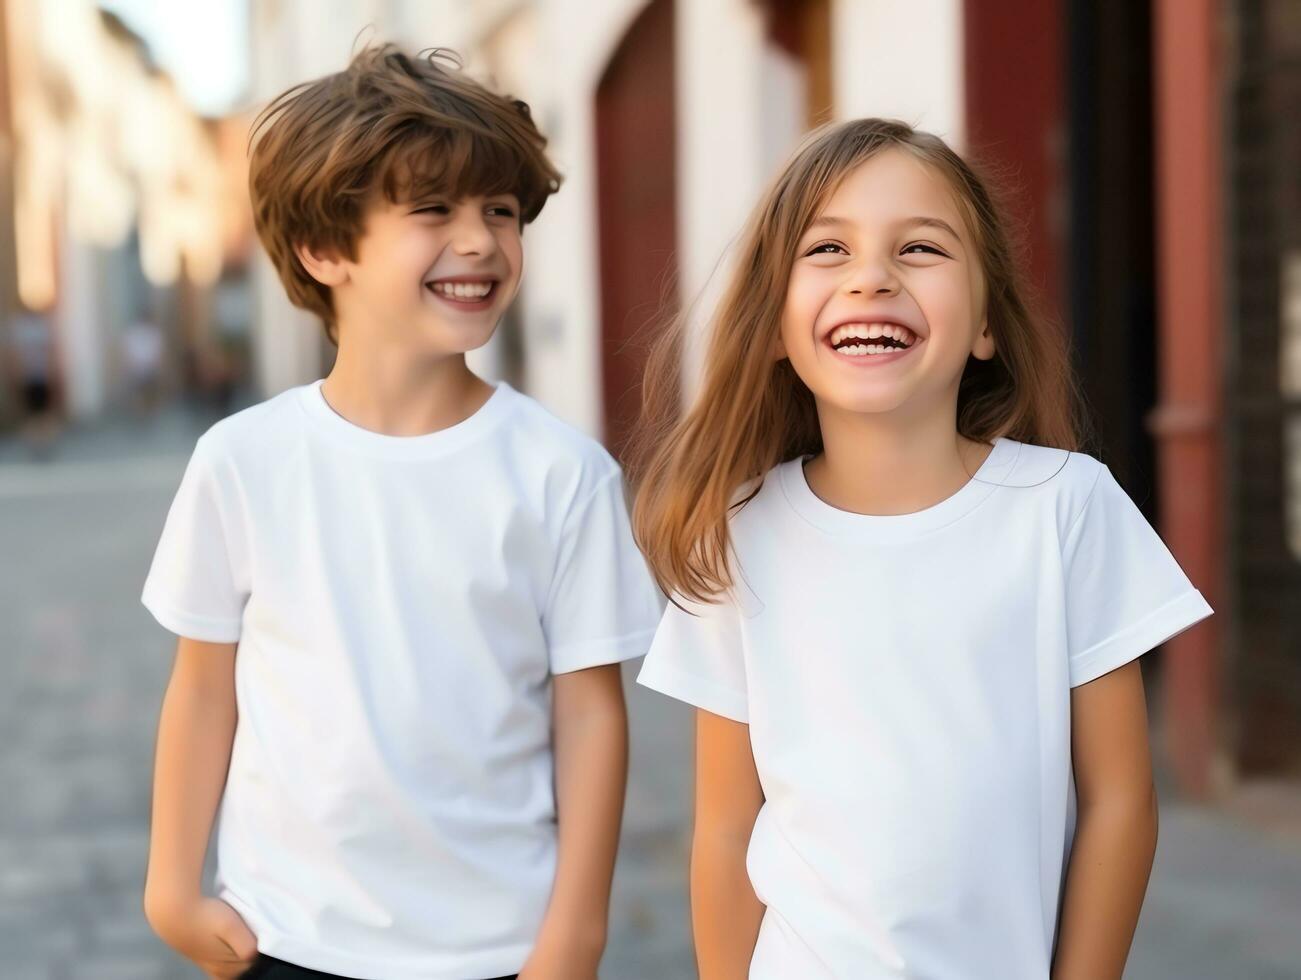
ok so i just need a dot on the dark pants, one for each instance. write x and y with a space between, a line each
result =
270 968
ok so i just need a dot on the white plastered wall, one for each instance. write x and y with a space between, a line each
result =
900 60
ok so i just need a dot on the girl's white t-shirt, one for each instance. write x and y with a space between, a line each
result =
400 606
907 681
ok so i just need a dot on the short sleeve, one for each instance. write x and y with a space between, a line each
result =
602 604
697 657
196 586
1125 593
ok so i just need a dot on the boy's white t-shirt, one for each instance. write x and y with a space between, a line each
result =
907 682
400 606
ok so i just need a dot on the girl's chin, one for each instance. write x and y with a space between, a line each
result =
876 397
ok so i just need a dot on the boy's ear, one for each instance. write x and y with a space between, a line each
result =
323 264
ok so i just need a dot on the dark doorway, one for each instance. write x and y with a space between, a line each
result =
1110 252
1263 391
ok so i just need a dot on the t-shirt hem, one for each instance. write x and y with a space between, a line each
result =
597 653
1162 624
209 629
694 690
311 955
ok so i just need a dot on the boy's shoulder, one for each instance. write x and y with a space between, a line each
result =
556 446
254 430
544 454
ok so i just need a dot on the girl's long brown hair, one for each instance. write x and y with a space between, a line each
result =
751 412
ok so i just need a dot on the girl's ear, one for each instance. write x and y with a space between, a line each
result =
984 349
323 265
779 349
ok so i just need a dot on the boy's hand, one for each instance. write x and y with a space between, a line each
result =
209 933
557 960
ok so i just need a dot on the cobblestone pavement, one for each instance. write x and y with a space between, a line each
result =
82 669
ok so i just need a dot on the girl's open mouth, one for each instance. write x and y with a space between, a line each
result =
872 343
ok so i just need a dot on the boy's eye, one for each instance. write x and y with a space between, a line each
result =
502 211
432 209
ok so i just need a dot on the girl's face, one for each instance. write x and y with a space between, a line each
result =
886 298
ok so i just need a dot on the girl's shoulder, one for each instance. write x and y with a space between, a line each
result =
1031 465
1067 478
1043 480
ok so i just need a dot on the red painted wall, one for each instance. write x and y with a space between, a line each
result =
1016 115
636 199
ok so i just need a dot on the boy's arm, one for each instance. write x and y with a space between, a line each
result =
725 914
1115 835
591 764
195 732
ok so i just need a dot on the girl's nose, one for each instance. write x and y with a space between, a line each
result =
874 278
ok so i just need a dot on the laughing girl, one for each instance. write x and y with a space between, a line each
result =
907 607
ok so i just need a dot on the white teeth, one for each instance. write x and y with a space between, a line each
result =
871 331
463 290
866 350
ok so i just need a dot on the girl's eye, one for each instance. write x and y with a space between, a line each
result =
907 249
825 248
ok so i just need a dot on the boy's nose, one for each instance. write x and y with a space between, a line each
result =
472 236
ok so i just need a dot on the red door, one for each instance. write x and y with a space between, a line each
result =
636 197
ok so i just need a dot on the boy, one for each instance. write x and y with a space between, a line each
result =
420 749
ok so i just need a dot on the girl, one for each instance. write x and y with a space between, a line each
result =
908 609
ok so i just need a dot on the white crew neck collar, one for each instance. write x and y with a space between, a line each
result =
895 527
329 423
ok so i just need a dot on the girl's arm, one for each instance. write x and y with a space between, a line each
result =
591 752
1115 836
195 733
725 913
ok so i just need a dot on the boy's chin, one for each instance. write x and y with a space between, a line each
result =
463 341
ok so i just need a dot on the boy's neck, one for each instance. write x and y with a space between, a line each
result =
393 394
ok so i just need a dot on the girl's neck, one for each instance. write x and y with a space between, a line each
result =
887 466
390 392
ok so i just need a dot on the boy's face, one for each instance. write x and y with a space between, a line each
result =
432 275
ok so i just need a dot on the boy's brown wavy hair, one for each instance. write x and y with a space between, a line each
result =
691 471
404 126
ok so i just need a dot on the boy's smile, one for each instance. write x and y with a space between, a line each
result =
430 276
467 294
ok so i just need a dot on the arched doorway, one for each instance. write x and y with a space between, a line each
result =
636 204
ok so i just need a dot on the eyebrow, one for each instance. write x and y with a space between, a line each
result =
920 221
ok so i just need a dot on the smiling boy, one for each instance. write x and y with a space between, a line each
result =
402 593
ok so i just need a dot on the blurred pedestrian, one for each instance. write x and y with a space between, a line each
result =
142 360
32 340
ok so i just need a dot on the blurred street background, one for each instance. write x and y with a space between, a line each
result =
1149 149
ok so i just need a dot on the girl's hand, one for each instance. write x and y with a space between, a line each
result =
210 934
